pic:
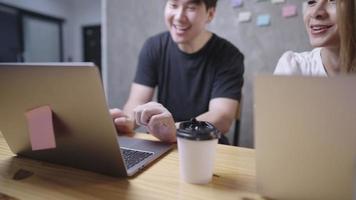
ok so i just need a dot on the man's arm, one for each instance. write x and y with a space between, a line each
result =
221 113
124 119
139 94
159 121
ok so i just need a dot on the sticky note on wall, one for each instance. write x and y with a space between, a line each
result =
263 20
244 16
236 3
40 128
289 11
277 1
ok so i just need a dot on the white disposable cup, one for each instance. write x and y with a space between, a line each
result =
196 160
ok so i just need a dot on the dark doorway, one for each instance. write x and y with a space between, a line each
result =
92 44
10 39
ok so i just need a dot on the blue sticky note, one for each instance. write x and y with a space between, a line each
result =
236 3
263 20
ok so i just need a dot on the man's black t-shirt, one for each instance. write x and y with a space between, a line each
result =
187 82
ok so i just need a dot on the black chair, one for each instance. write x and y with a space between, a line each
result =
236 133
223 140
237 126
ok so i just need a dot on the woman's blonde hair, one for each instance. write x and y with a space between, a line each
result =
347 27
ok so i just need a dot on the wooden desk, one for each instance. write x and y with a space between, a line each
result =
234 179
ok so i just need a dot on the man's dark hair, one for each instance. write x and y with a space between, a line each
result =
208 3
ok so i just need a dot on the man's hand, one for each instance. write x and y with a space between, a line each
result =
157 119
123 123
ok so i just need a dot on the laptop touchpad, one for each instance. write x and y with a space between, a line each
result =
140 144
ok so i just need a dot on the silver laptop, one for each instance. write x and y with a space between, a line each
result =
83 130
305 137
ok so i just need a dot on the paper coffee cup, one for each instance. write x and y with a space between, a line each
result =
197 143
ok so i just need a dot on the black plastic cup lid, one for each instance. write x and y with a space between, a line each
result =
197 130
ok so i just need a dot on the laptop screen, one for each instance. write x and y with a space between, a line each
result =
305 136
85 136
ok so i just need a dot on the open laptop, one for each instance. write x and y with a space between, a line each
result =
305 137
84 133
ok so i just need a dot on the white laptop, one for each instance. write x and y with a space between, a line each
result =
84 135
305 137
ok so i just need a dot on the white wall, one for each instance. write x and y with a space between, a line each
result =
76 13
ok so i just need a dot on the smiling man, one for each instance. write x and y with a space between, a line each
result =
197 74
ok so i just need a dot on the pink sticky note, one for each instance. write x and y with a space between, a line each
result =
289 11
40 128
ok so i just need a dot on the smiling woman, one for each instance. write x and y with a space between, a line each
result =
320 21
333 53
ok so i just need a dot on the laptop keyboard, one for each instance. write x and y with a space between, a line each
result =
133 157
